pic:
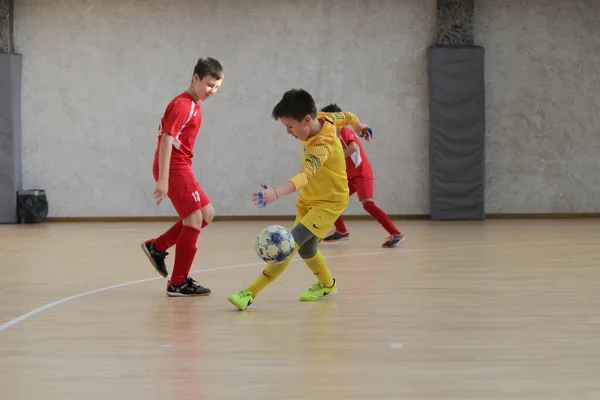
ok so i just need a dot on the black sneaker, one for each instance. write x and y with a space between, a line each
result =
188 288
156 257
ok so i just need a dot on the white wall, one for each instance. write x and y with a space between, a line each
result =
543 102
98 74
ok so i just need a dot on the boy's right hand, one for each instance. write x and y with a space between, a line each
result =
162 188
264 197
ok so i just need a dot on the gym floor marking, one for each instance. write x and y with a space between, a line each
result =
47 306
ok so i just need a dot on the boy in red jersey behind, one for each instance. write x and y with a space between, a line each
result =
360 181
172 170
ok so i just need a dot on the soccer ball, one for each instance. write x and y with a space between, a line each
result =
274 244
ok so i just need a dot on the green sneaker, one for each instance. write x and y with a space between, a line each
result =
242 300
318 291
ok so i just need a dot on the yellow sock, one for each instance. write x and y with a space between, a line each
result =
269 274
318 266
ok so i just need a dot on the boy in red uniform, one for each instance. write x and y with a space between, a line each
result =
172 170
360 181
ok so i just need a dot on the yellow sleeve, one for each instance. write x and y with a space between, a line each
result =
341 119
316 155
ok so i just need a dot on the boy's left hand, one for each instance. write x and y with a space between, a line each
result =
162 188
264 197
365 131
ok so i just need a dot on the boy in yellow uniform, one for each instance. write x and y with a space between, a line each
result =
323 187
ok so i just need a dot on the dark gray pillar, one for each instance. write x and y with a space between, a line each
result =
456 116
11 176
455 22
456 133
6 26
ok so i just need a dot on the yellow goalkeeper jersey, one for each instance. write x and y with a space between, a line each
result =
322 181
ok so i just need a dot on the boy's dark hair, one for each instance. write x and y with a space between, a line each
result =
296 104
208 66
331 108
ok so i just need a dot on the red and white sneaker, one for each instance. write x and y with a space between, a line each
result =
393 241
337 236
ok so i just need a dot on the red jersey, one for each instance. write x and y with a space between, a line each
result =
182 120
357 165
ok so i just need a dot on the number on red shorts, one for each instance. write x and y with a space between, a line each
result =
196 196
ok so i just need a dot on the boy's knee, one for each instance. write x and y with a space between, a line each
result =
307 253
309 249
194 219
208 214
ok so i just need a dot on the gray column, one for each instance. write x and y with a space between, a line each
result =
455 22
11 180
6 26
456 116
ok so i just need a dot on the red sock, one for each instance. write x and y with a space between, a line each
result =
168 239
185 253
340 226
381 217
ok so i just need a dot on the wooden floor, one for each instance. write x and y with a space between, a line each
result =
502 309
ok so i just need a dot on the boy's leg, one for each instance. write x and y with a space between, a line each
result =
156 249
314 259
340 226
244 298
167 240
318 221
341 232
186 244
365 195
271 271
306 245
194 207
181 284
184 257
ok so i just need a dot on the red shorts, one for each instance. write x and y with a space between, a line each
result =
362 187
184 191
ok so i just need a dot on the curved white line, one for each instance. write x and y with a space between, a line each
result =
389 251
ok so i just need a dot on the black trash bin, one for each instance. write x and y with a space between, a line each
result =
32 206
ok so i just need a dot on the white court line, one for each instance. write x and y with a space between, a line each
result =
383 252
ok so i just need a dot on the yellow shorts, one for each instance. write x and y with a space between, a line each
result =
317 219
